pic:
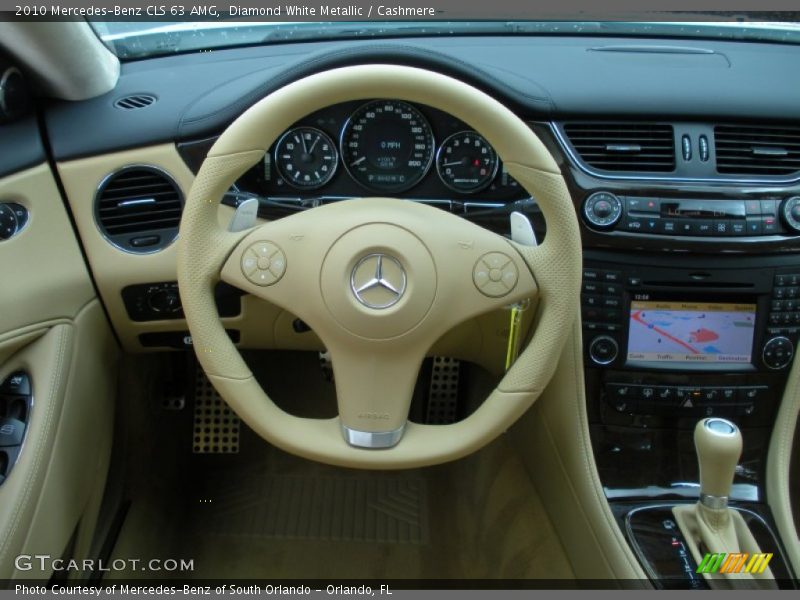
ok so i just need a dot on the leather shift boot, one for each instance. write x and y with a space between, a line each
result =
719 531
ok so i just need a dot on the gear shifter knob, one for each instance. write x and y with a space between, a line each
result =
719 445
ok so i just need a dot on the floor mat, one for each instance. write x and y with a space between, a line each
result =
263 514
354 509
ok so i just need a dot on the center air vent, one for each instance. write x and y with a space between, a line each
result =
135 101
757 149
138 208
629 147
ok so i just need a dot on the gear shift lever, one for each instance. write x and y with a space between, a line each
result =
709 526
719 446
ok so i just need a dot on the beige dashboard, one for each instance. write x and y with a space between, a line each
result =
260 324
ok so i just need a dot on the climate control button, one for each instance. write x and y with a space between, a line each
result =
790 212
602 210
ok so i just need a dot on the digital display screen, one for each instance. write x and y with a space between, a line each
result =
690 332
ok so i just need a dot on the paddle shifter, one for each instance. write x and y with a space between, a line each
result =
719 445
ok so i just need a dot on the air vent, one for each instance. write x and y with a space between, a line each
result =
138 208
764 150
135 101
639 147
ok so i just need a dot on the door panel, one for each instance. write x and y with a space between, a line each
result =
43 274
54 329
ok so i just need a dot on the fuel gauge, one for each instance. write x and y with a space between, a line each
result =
466 162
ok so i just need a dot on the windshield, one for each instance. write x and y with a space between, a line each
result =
132 40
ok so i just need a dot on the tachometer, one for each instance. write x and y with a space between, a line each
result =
466 162
306 157
387 146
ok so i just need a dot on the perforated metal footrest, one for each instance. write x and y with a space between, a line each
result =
443 391
216 426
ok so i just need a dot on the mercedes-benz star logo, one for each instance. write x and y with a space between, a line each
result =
378 281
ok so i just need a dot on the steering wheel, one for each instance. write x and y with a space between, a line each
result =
379 280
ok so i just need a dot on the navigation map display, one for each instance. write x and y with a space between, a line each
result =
697 332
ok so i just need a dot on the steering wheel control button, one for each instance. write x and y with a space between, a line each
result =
378 281
603 350
495 274
263 263
602 210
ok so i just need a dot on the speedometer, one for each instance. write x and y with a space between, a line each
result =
387 146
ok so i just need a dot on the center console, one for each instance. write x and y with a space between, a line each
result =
690 311
669 340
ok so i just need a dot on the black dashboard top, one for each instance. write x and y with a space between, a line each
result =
540 77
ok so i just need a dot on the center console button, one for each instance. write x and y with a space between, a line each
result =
778 352
622 396
603 350
750 394
704 227
612 276
686 226
590 300
651 224
769 207
634 224
591 314
664 393
738 227
769 225
667 226
591 275
753 225
722 227
602 210
591 287
638 204
728 395
611 290
752 207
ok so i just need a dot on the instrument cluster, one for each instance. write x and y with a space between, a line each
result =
384 147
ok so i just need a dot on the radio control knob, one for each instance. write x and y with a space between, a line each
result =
790 213
602 210
778 352
603 350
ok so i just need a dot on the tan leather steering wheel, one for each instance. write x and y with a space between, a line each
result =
379 280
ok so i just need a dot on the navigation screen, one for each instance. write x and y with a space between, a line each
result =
701 332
